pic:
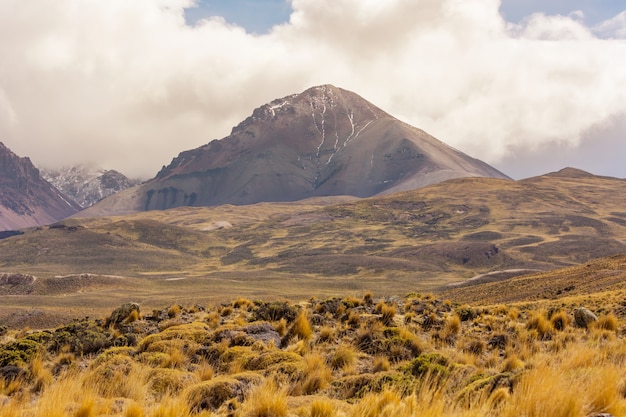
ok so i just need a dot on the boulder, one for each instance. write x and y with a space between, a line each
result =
11 372
121 313
583 317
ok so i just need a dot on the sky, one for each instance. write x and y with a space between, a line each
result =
528 86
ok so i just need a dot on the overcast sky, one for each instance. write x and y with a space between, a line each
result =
529 86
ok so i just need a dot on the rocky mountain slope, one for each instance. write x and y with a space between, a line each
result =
325 141
86 185
26 199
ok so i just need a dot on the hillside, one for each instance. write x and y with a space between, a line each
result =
325 141
26 199
418 240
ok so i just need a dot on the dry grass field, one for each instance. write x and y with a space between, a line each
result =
342 356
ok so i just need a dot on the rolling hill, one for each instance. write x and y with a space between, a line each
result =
416 240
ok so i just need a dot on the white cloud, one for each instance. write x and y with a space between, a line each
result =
129 85
613 28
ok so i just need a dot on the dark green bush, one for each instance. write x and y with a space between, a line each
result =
18 352
429 363
276 311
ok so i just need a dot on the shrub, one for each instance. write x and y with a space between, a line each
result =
18 352
111 377
169 381
466 313
276 311
267 359
430 363
85 337
210 395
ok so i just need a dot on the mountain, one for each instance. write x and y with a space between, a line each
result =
325 141
86 185
26 199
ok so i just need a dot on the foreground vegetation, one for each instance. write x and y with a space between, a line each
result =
352 356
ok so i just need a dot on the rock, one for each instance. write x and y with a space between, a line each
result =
121 313
584 317
10 372
263 332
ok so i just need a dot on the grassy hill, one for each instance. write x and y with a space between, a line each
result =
419 240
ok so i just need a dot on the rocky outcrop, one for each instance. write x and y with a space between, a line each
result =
583 317
122 313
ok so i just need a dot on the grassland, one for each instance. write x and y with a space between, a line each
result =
351 356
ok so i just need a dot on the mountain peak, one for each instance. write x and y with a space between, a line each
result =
87 184
325 141
571 173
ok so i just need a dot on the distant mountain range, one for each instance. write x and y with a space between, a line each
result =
26 199
86 185
325 141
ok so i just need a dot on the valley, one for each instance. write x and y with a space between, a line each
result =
419 240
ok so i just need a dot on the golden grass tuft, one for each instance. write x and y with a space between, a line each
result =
608 322
381 364
301 327
173 311
344 357
322 408
266 400
133 316
314 377
541 325
134 410
387 312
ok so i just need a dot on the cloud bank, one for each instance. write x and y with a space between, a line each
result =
128 85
